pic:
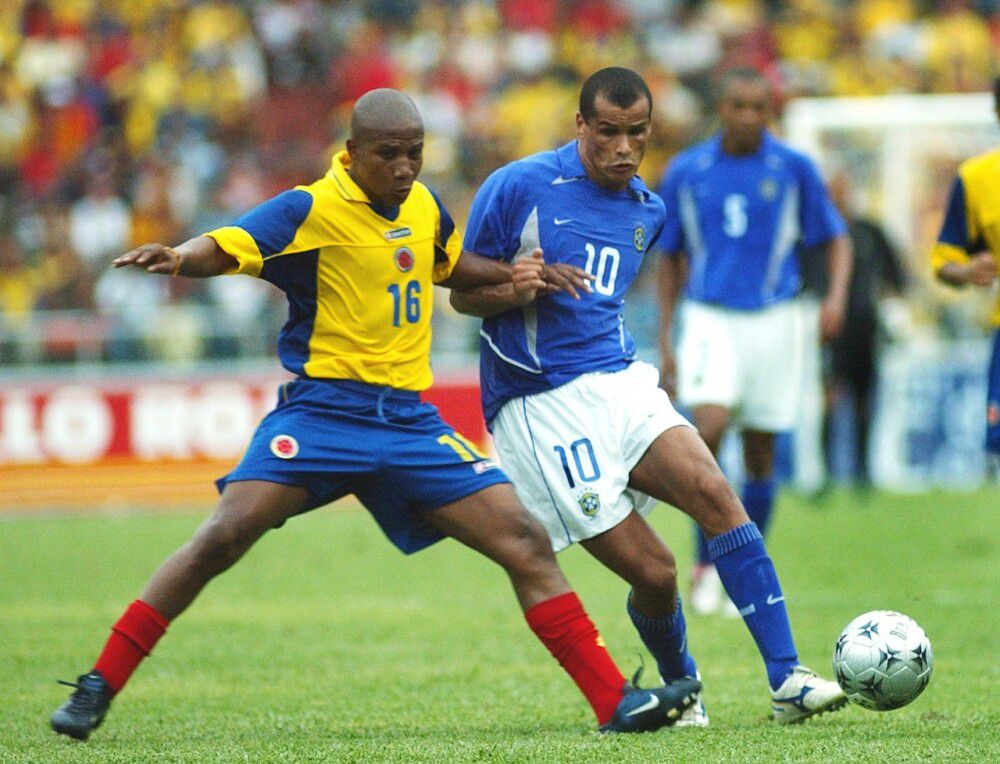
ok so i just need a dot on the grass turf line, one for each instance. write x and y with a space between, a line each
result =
325 644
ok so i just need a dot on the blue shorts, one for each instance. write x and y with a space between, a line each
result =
394 452
993 399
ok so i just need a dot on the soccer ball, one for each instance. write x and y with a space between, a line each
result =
883 660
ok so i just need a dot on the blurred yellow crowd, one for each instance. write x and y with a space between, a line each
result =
123 121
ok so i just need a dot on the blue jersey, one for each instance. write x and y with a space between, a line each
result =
741 219
548 201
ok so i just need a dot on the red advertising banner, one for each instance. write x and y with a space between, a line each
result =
109 440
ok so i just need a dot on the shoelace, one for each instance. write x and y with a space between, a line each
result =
84 700
638 672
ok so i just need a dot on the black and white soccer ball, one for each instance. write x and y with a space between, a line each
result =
883 660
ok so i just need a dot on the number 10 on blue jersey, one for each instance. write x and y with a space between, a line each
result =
412 299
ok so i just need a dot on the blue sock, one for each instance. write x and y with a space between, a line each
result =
748 575
666 639
758 498
701 544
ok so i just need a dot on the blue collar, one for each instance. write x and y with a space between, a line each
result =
570 166
767 141
389 213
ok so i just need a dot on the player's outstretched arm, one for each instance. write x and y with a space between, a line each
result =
200 257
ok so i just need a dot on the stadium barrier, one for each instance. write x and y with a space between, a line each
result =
151 436
120 437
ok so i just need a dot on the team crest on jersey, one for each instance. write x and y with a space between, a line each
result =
993 414
404 259
769 188
397 233
590 503
639 238
284 446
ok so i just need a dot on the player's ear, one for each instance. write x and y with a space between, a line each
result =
580 122
352 148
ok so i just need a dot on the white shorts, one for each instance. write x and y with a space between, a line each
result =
748 361
569 451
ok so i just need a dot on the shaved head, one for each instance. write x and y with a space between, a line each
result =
386 146
383 112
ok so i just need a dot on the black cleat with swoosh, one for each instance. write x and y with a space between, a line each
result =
645 710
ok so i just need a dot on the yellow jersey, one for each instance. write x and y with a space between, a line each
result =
359 278
972 221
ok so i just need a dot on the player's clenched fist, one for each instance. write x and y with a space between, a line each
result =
154 258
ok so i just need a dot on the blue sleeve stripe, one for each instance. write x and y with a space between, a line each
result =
274 223
955 229
447 224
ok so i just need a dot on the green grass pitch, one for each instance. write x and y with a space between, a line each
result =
325 644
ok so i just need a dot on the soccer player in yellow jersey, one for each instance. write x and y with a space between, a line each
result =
357 253
968 249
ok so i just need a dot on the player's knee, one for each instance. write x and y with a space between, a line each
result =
528 546
219 544
719 509
658 579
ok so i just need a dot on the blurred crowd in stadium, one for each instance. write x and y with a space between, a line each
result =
124 122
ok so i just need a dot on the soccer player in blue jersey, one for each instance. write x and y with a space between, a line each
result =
583 429
968 252
358 253
738 207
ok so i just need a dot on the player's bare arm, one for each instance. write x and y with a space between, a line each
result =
671 277
980 270
200 257
529 278
472 271
840 263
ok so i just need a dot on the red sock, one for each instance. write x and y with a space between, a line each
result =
131 640
564 627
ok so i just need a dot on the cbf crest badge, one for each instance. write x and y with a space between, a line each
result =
404 259
590 503
639 238
769 188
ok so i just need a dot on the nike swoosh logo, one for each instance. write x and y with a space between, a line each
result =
772 600
564 221
560 180
649 705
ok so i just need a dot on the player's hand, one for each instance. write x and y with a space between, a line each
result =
982 269
152 258
563 277
831 318
526 276
668 373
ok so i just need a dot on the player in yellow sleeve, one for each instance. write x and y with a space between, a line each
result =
357 253
968 251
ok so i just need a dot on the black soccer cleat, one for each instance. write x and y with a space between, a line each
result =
85 709
647 710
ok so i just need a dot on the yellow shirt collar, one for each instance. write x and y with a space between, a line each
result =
345 183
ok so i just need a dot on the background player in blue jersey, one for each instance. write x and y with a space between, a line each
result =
738 207
357 253
582 427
